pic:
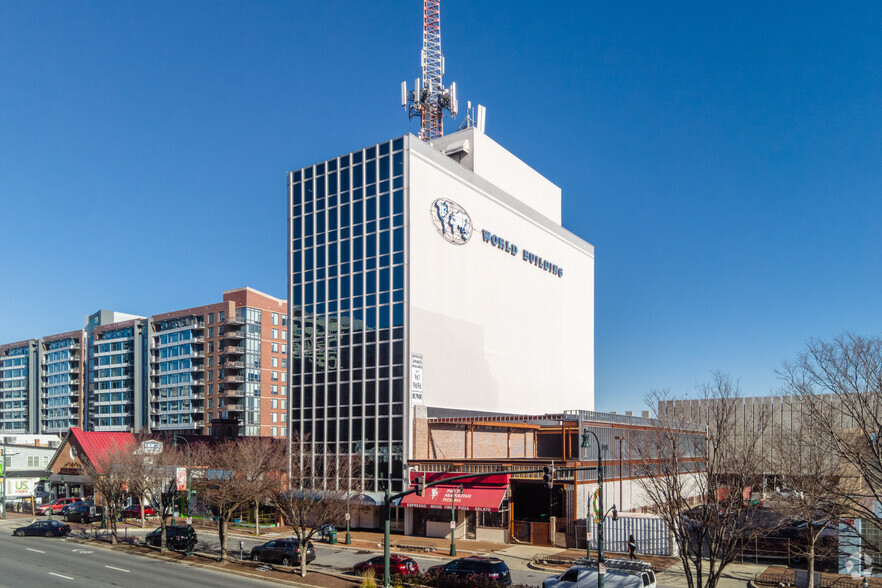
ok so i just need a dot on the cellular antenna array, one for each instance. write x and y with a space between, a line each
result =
430 99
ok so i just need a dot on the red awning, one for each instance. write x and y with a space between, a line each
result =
483 499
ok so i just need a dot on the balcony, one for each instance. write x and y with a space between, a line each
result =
233 380
234 334
233 407
234 365
233 350
197 382
197 339
234 320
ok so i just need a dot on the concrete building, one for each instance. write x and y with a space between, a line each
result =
430 276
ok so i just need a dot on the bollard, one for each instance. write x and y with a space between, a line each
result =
241 547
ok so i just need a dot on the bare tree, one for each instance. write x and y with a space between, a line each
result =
319 493
812 477
839 387
236 473
682 465
151 474
109 479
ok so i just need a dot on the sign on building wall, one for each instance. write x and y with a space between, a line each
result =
20 486
416 378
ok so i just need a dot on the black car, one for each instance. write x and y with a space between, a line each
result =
466 567
176 537
84 512
43 528
282 551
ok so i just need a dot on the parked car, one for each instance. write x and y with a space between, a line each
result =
59 503
43 528
176 537
619 574
133 511
465 567
84 512
398 564
282 551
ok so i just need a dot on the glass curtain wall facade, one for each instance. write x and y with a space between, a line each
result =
15 366
177 393
61 385
347 311
112 366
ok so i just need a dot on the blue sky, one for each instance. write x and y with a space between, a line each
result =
724 160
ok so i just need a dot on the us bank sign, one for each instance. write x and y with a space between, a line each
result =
454 224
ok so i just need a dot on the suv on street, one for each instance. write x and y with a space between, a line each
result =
84 512
492 568
282 551
176 537
56 505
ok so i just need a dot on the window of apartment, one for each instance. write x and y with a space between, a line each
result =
210 317
284 376
284 417
284 348
210 403
210 361
285 335
284 403
275 318
284 390
220 317
210 375
274 403
275 333
275 361
210 332
275 376
45 460
275 347
211 346
275 431
274 389
275 417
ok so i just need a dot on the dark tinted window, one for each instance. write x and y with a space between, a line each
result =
499 567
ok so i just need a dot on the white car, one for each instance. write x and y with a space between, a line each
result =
581 576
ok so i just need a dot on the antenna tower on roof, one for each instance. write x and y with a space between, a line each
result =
429 98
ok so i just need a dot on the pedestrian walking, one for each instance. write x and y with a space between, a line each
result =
632 547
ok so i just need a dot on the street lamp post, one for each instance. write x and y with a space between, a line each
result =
453 521
621 440
175 444
601 566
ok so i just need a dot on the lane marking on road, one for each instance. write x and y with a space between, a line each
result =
83 551
60 576
37 550
117 569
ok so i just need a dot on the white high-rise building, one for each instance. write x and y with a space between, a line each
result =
430 279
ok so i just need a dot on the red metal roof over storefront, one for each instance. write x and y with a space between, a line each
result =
97 445
485 499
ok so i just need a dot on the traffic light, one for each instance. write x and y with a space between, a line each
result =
615 513
548 476
420 485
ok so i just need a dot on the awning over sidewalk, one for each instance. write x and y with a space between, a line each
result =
483 499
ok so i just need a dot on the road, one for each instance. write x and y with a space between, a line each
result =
42 561
51 561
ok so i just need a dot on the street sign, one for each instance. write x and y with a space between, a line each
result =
601 567
590 536
453 524
347 516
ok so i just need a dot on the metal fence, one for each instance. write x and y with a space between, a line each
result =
651 534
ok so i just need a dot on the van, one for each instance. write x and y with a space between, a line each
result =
619 574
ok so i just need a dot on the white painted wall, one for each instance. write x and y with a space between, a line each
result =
496 333
491 161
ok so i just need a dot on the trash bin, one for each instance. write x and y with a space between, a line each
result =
332 536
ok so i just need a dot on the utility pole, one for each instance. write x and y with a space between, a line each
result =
453 520
3 484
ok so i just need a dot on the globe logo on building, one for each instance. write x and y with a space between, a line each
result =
451 221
